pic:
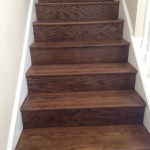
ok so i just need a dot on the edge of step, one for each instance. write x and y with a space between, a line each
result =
82 100
80 69
77 22
99 43
76 3
45 1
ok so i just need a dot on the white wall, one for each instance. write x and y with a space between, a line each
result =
133 59
139 25
22 89
13 16
136 9
132 8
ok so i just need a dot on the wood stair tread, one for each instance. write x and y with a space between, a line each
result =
79 2
77 22
118 137
80 69
79 44
70 1
81 100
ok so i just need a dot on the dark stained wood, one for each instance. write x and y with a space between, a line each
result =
79 44
94 99
44 54
71 1
78 31
82 109
80 69
67 83
77 11
118 137
83 116
82 77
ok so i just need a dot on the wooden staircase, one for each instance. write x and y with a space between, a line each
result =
81 86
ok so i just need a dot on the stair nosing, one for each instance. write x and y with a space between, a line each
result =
76 44
76 74
79 108
39 23
77 3
129 70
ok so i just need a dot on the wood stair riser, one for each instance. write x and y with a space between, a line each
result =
82 117
80 55
71 1
78 11
73 83
78 32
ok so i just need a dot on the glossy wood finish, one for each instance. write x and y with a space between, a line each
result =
82 117
79 53
78 31
80 69
71 1
78 100
82 109
119 137
79 44
77 11
82 77
81 83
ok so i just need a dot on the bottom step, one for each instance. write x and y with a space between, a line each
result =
122 137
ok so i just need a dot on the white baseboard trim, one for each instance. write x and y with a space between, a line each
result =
147 118
133 59
22 90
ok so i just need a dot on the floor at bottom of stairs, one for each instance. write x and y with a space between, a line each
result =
117 137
